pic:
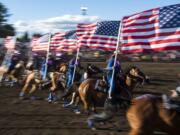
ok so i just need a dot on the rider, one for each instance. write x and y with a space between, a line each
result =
174 93
113 99
51 65
71 66
14 61
36 62
117 69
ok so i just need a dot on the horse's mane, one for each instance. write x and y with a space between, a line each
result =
63 64
127 70
94 68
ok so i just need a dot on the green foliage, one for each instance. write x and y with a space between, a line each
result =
5 29
36 35
24 38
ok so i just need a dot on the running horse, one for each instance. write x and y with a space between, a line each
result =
148 114
16 74
90 96
34 80
91 71
57 81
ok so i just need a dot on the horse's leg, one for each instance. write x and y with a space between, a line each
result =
77 99
94 107
66 94
93 101
25 87
11 76
73 98
76 109
86 105
102 117
34 87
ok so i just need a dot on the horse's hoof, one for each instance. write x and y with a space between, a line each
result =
87 113
91 125
77 111
102 123
93 129
32 98
55 102
21 98
66 105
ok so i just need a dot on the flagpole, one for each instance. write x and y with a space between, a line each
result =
47 57
77 54
115 59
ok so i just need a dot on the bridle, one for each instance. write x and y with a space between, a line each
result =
137 77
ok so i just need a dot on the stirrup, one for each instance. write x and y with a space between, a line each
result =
166 101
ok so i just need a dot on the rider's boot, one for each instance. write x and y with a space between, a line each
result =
91 124
76 110
50 97
21 95
168 103
55 98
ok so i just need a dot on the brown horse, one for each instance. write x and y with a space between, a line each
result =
90 96
91 71
15 75
148 114
58 81
34 80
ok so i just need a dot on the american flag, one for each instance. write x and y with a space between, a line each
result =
101 35
9 42
41 43
152 30
64 41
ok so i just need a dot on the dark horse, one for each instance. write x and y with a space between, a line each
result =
121 96
89 96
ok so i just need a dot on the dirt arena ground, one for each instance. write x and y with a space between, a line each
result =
38 117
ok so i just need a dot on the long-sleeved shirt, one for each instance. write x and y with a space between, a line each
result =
72 65
111 64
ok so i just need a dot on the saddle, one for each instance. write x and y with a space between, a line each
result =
170 104
100 88
62 77
37 75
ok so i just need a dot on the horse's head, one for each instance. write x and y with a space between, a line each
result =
63 68
29 64
93 69
103 82
136 75
20 64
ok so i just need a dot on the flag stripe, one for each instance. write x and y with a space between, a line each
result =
63 41
151 35
146 32
98 35
41 43
133 50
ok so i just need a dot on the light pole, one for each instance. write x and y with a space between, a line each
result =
84 10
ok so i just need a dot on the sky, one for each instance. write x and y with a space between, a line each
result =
42 16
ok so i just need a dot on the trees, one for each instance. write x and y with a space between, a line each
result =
5 29
24 38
